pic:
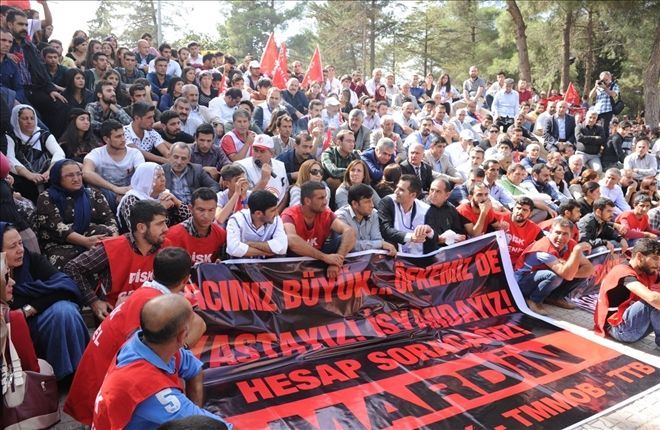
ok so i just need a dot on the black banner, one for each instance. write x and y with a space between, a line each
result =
435 343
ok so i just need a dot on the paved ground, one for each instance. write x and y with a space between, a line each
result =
642 414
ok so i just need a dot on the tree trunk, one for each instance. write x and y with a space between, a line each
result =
566 51
589 57
372 35
426 43
651 77
521 40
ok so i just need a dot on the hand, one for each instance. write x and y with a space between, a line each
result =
317 132
332 271
114 108
610 247
503 225
266 170
92 241
46 175
12 57
101 309
241 186
624 246
632 188
167 201
333 259
10 180
485 206
250 138
583 247
622 229
55 96
35 177
460 238
391 249
120 191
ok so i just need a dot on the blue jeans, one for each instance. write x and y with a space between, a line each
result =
638 321
539 285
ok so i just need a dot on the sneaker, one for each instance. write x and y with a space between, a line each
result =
560 303
536 307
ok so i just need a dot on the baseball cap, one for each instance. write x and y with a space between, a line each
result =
331 101
263 141
254 64
467 135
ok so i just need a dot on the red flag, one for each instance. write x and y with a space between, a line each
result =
281 72
327 142
314 71
269 57
572 96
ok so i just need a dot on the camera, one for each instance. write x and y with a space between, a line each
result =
600 82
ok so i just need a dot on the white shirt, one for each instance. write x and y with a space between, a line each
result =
218 107
149 141
241 230
173 68
457 155
616 195
118 173
277 185
506 104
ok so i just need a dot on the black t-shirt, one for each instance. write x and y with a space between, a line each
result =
620 293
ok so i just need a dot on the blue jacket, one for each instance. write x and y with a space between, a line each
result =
374 166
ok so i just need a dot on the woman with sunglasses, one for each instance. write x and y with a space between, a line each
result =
310 170
71 218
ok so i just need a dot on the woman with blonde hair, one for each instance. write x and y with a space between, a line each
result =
310 170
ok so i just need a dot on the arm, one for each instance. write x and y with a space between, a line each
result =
243 152
235 247
568 269
347 236
93 178
195 389
588 234
643 292
82 268
330 166
301 247
48 16
386 221
477 229
207 181
149 156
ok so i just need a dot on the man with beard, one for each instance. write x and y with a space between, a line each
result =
477 214
199 235
106 108
628 288
442 216
121 264
257 231
293 158
570 211
522 232
423 135
170 129
551 267
538 182
360 132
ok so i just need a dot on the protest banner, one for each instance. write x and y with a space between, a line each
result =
439 342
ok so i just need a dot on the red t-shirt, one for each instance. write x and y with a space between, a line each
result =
466 212
317 233
636 227
520 237
201 249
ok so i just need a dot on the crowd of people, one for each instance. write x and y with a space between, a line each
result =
121 167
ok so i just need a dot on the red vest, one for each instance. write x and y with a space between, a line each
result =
543 245
201 249
465 209
520 237
610 282
319 232
128 269
106 341
124 388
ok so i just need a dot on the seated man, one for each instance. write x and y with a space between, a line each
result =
570 210
237 143
360 132
170 129
597 229
415 165
140 134
234 194
121 264
361 215
610 188
183 177
199 235
551 267
629 287
171 273
522 231
336 158
111 166
264 172
204 153
378 158
403 218
293 158
439 161
637 220
106 108
539 183
309 224
442 216
257 231
155 360
477 214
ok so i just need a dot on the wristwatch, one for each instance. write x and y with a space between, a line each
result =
28 311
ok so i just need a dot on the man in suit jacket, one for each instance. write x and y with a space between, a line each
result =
560 128
415 165
263 112
361 133
183 177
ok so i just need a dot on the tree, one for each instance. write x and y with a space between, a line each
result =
521 40
250 22
651 78
103 22
143 17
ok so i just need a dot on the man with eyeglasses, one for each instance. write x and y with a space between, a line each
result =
614 153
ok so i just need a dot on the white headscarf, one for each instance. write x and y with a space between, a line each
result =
142 183
34 137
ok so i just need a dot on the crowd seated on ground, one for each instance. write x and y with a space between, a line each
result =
133 141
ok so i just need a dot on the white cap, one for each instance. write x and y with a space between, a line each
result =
263 141
254 64
467 135
331 101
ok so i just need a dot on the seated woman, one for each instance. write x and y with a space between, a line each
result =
590 193
148 183
310 170
557 175
649 187
577 184
391 176
20 332
174 91
31 152
71 218
75 91
15 209
356 173
78 139
48 298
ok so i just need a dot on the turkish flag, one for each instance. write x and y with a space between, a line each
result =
281 72
18 4
314 71
327 142
572 96
269 57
